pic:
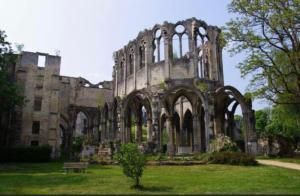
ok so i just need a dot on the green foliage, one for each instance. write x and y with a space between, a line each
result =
227 157
223 143
9 92
267 31
262 118
132 161
25 154
162 85
281 124
77 144
202 86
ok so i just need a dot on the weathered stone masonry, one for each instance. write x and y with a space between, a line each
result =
173 74
167 91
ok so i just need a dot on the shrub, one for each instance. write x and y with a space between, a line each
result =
132 161
223 143
26 154
227 157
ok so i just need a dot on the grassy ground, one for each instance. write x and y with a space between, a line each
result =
48 178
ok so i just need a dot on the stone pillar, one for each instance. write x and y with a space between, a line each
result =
168 56
134 69
139 132
196 133
122 127
250 134
149 130
155 120
147 62
182 136
170 130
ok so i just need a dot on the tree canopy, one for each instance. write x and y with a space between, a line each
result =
9 92
268 32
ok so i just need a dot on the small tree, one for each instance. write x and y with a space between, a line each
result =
132 161
76 146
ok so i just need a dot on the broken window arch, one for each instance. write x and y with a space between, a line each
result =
121 74
176 46
131 63
200 65
201 42
142 56
180 42
184 44
158 45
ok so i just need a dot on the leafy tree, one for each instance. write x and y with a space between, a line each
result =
280 124
76 145
268 32
262 118
9 91
132 161
284 126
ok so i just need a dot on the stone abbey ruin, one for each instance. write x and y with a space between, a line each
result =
167 94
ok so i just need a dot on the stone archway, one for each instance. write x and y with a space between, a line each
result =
137 116
196 126
229 95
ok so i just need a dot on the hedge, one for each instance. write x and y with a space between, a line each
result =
227 157
25 154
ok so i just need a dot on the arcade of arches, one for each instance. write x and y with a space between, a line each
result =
169 93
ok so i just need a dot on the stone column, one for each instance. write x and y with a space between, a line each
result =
139 131
122 127
170 130
149 130
134 69
196 133
250 134
155 120
147 61
168 56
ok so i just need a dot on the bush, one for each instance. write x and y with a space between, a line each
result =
227 157
26 154
223 143
132 161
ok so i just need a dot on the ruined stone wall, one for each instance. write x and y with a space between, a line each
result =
169 52
57 94
40 84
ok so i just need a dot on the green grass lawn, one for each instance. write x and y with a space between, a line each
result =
48 178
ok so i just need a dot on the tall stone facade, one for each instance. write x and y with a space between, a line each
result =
167 93
52 102
172 74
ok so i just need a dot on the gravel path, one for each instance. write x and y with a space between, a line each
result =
280 164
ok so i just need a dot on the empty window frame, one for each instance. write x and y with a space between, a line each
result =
41 61
180 42
121 71
142 56
38 103
158 45
131 63
35 127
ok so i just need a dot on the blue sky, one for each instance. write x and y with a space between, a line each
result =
86 32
